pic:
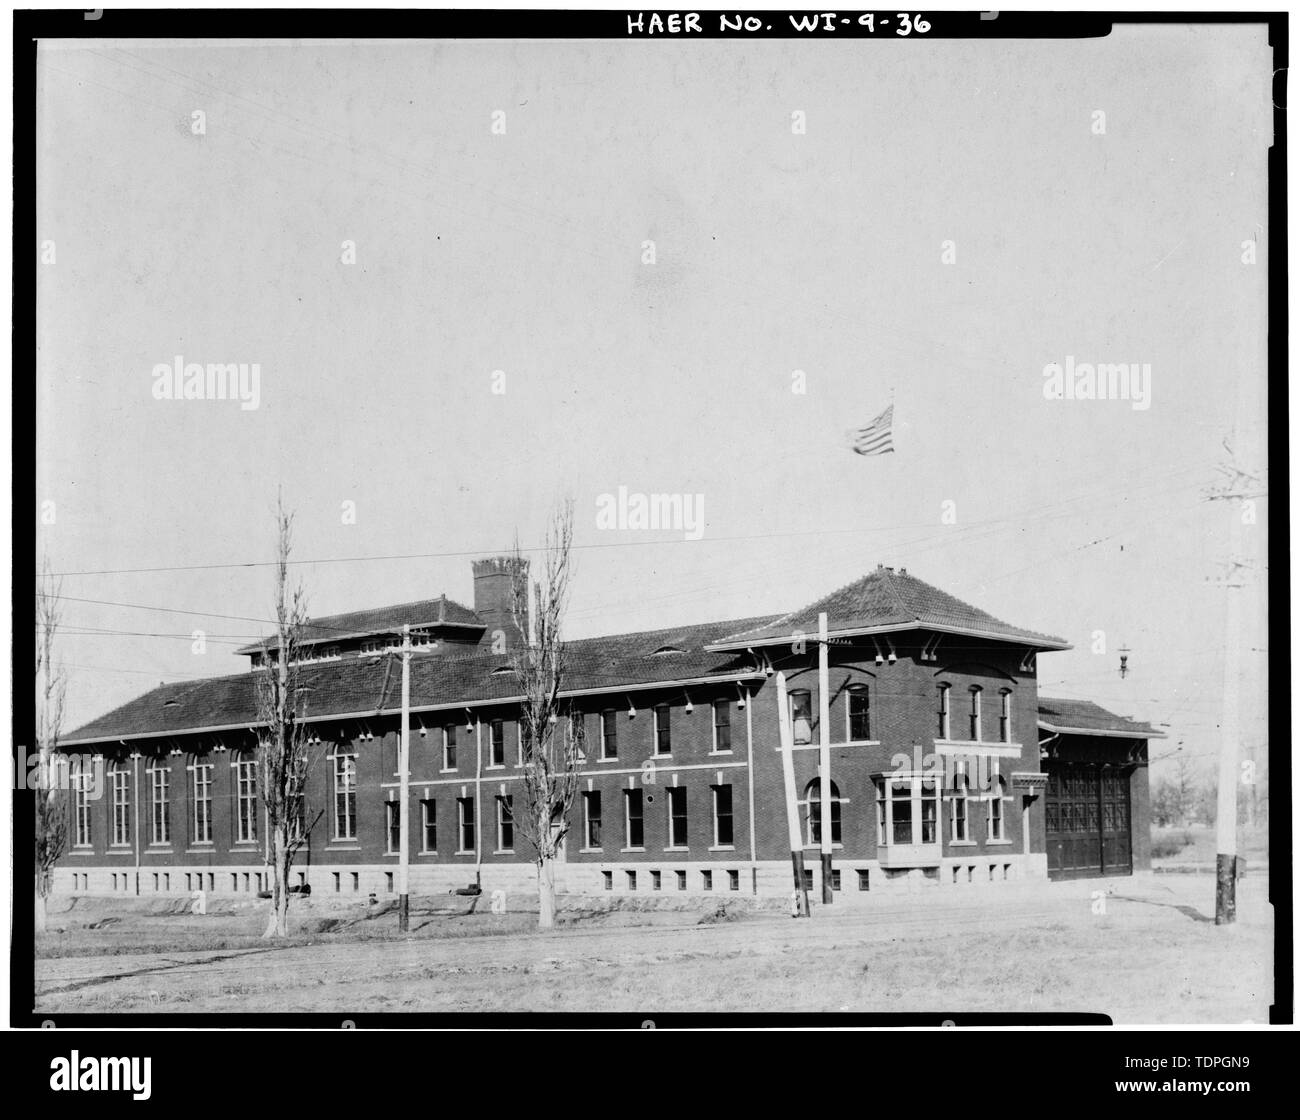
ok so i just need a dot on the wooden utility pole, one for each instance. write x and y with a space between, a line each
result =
824 768
1241 486
404 779
791 807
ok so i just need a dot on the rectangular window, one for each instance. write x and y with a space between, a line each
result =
663 729
723 831
609 734
121 805
656 881
429 821
160 830
505 823
864 879
81 778
1004 717
591 818
608 877
578 736
202 790
345 796
393 809
801 716
465 817
449 747
706 880
246 796
632 809
974 714
722 726
859 714
943 712
901 807
498 753
681 880
996 824
733 880
960 814
525 736
881 839
677 816
631 880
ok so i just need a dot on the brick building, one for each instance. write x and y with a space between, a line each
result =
947 767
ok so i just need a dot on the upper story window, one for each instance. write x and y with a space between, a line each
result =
859 712
498 753
1004 717
609 733
944 712
663 729
449 746
975 693
721 726
801 715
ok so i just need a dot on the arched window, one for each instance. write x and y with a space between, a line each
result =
812 802
345 793
997 817
120 787
975 692
245 768
201 769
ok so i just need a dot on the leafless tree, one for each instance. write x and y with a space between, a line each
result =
51 688
283 753
552 740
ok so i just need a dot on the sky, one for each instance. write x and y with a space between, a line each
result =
481 253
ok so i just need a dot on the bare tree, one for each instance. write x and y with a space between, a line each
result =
283 758
51 689
552 740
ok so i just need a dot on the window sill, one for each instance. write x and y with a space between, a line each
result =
495 766
470 853
723 848
662 757
343 846
600 760
961 843
728 751
675 848
448 770
997 843
429 852
504 852
591 851
631 849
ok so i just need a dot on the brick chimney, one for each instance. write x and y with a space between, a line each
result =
493 596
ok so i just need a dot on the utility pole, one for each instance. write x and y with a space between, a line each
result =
404 777
1241 487
791 811
824 720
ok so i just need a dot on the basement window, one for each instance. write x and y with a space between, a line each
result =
681 880
656 881
733 880
608 877
631 880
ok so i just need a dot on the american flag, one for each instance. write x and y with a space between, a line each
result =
877 437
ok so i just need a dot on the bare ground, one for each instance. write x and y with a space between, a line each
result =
1153 955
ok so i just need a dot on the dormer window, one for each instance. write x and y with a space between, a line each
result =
666 649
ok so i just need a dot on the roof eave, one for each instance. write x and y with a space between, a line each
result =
889 628
1106 732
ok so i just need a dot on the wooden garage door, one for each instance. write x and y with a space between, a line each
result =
1087 821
